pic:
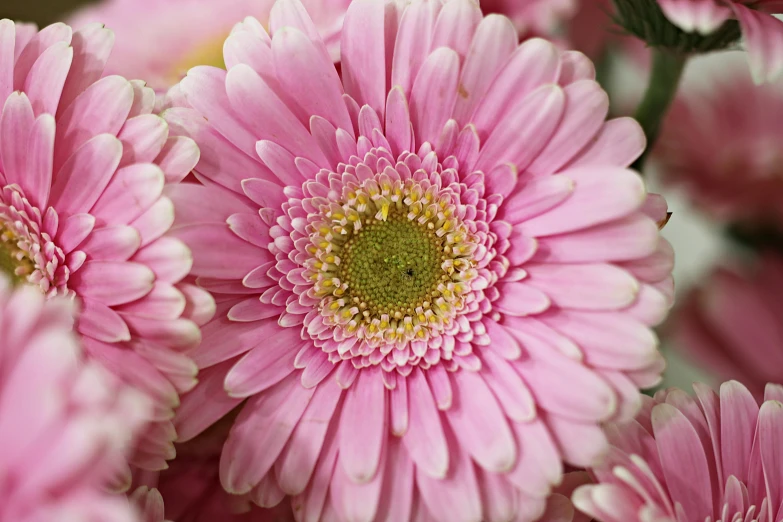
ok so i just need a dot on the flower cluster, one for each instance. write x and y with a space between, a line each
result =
380 261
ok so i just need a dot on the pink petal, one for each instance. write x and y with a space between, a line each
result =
363 55
102 108
434 93
209 243
46 78
265 365
479 424
624 240
112 283
763 35
534 197
525 130
102 323
132 190
363 426
40 156
701 16
259 434
455 496
396 502
297 461
115 243
683 461
207 403
493 42
16 123
82 179
520 299
309 77
619 142
588 287
739 412
534 63
7 44
425 440
600 195
91 45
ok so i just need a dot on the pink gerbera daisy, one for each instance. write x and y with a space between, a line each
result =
64 423
82 169
721 143
762 32
730 324
715 457
159 40
435 276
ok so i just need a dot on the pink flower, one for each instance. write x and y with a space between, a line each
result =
159 40
763 33
721 143
715 457
64 423
731 324
190 491
82 169
424 276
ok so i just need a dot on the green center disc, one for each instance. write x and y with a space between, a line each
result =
393 265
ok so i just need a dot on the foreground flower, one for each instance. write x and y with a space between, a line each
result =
730 324
721 143
159 40
64 423
424 277
762 32
715 457
82 169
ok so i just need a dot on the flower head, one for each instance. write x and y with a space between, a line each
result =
722 144
428 270
730 324
706 25
65 424
191 32
713 457
82 169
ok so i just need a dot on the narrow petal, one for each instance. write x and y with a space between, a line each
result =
363 426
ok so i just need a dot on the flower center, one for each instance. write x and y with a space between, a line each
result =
14 263
392 262
393 266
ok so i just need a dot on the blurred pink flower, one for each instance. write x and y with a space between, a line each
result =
159 40
731 324
721 143
715 457
541 17
82 169
762 32
437 258
190 491
65 424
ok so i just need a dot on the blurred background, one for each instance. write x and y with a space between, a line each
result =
42 12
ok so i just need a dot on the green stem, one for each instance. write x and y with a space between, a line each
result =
665 76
